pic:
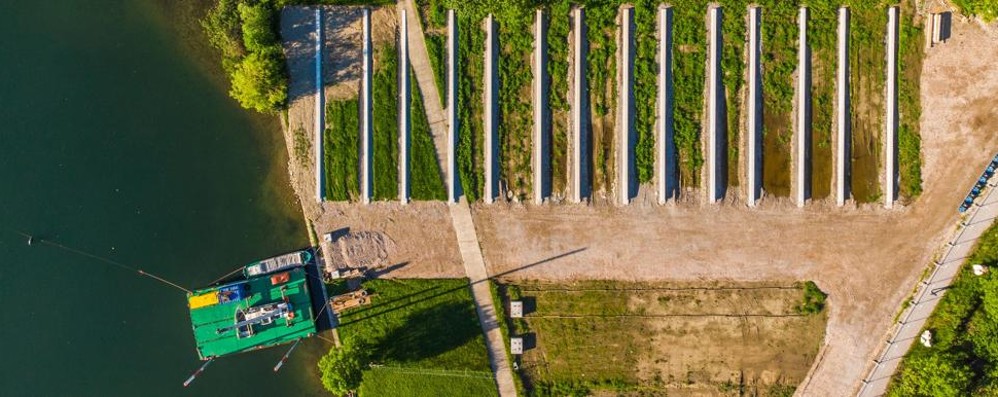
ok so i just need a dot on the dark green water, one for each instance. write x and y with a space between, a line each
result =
113 140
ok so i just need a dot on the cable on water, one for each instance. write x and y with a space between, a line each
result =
33 239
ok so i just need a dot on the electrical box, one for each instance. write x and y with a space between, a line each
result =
516 309
516 345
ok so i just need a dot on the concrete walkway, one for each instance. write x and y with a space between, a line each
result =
464 226
912 321
420 61
474 265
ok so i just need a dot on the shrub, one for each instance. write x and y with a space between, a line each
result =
259 83
814 299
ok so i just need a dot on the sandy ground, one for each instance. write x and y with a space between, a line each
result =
866 258
390 239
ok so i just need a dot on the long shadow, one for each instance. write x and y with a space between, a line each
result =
429 333
441 293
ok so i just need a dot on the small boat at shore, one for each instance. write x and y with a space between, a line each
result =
278 263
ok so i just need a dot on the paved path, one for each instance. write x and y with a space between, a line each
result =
464 226
474 265
420 60
909 329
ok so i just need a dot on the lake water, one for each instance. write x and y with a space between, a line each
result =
118 139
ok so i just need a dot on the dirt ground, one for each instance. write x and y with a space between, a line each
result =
389 239
867 259
674 338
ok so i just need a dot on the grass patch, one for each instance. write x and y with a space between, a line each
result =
427 183
814 299
341 150
384 114
394 382
603 337
963 359
426 326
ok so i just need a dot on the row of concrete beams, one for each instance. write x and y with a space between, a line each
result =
666 175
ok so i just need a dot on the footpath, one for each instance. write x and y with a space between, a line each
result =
912 321
464 226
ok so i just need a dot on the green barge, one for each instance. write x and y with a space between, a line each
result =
270 304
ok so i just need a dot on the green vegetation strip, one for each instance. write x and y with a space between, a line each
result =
385 106
427 183
963 359
428 327
341 150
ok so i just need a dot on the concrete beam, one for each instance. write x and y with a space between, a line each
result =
754 138
366 138
716 153
802 135
625 130
578 141
843 127
891 124
320 111
404 123
491 112
453 124
666 177
542 144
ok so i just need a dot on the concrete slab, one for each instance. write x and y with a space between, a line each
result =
802 132
843 114
404 124
491 112
626 138
578 162
453 124
542 143
716 139
891 118
754 138
666 175
366 123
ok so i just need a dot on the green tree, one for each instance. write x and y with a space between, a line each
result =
258 81
258 28
222 26
342 368
932 375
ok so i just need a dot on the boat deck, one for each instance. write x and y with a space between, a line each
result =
207 320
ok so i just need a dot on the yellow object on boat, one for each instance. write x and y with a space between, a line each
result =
208 299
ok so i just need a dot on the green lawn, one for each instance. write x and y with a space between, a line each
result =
405 382
341 150
963 359
424 326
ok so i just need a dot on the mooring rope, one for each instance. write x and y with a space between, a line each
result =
32 239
